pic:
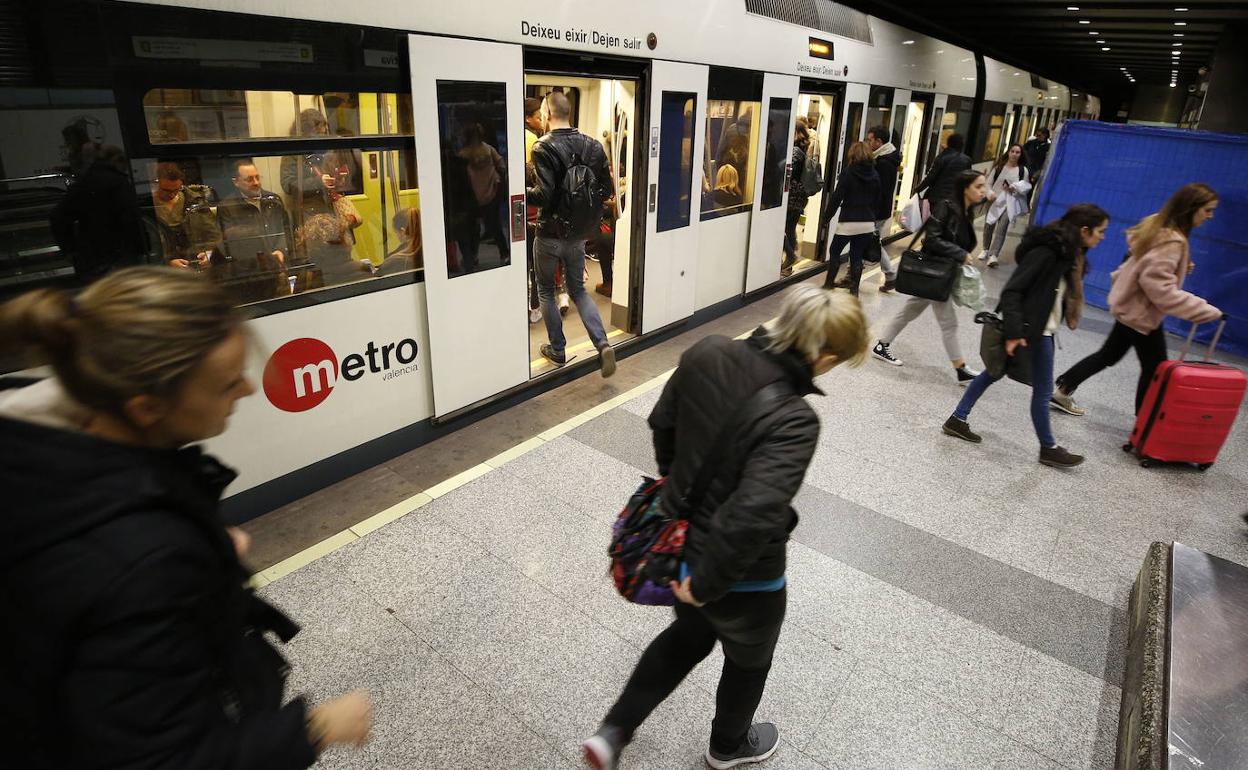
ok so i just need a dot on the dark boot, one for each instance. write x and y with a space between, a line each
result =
1057 457
961 429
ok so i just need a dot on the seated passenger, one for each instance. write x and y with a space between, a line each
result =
727 188
322 238
181 217
408 255
254 223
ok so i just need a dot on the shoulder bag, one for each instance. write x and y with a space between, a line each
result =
925 276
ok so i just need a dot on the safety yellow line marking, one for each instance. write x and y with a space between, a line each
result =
309 555
393 513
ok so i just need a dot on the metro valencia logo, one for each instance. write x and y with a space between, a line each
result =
302 373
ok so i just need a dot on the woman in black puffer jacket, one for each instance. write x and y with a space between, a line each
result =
856 196
134 642
947 235
1045 290
798 198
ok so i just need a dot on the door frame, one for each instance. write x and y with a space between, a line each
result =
763 248
835 155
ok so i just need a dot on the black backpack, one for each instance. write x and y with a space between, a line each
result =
577 205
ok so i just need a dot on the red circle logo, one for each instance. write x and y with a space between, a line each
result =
300 374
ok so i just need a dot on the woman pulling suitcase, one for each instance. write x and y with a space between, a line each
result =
1147 287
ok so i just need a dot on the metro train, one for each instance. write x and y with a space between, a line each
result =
383 270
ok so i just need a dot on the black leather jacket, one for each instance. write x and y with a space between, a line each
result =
947 233
742 524
550 162
939 181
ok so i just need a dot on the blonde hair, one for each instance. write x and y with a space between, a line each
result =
1178 214
138 331
858 153
728 179
814 321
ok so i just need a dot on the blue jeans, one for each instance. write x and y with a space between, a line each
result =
1041 389
547 254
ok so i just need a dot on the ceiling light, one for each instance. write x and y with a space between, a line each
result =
1104 48
907 42
1072 7
1178 45
1180 24
1180 10
1085 21
1178 34
1172 85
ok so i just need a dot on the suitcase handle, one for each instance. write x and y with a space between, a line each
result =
1213 343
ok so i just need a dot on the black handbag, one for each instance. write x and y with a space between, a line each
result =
992 351
925 276
872 252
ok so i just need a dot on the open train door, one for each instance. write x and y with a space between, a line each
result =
468 115
771 186
677 115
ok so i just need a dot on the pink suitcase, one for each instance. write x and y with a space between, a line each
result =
1189 409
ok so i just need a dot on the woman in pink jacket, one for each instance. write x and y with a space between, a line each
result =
1146 288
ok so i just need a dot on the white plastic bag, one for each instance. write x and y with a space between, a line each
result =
914 214
968 290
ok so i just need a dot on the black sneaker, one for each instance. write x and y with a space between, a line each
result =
1057 457
965 375
888 286
602 749
960 428
760 743
549 354
882 352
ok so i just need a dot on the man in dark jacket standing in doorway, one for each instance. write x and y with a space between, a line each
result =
732 587
939 181
566 155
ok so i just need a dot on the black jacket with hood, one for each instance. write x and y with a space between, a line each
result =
948 233
939 181
131 641
1044 259
857 193
887 165
740 528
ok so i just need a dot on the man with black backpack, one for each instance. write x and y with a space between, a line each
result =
572 181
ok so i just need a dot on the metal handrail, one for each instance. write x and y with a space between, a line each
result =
35 178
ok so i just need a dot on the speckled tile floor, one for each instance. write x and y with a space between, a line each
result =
951 606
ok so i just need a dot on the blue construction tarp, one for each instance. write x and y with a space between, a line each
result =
1130 171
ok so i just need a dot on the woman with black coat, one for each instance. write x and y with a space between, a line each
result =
797 198
856 195
1045 290
947 235
131 639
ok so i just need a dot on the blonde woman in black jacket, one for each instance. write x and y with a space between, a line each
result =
947 235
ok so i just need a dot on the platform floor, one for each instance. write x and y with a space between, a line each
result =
950 605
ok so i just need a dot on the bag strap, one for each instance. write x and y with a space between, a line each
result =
711 464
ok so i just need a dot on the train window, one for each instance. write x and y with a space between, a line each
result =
270 226
472 127
957 118
779 114
728 174
991 124
676 111
879 108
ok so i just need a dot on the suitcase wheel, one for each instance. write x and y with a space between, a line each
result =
1147 462
1204 467
1127 447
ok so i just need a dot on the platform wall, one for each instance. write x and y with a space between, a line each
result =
1130 171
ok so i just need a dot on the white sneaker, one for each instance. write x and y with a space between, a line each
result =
982 255
564 302
992 260
535 315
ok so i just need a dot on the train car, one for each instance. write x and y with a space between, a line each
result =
354 175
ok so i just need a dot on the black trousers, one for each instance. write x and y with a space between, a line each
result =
791 219
747 624
1150 348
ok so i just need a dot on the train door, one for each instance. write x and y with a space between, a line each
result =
469 94
853 127
602 94
915 123
677 112
823 105
765 258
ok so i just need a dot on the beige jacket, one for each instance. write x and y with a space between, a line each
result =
1149 286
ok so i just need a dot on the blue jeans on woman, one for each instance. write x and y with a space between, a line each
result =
857 249
1041 389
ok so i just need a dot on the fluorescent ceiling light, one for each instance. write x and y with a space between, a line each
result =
907 42
1105 48
1085 21
1180 24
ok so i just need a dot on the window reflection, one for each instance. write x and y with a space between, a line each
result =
472 126
675 159
774 158
728 178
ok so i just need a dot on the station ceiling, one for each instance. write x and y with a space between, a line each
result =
1099 46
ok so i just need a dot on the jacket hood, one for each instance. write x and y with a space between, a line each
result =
863 171
1043 237
61 482
1164 236
796 370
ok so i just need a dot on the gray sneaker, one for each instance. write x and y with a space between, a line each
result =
607 356
1065 403
760 743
